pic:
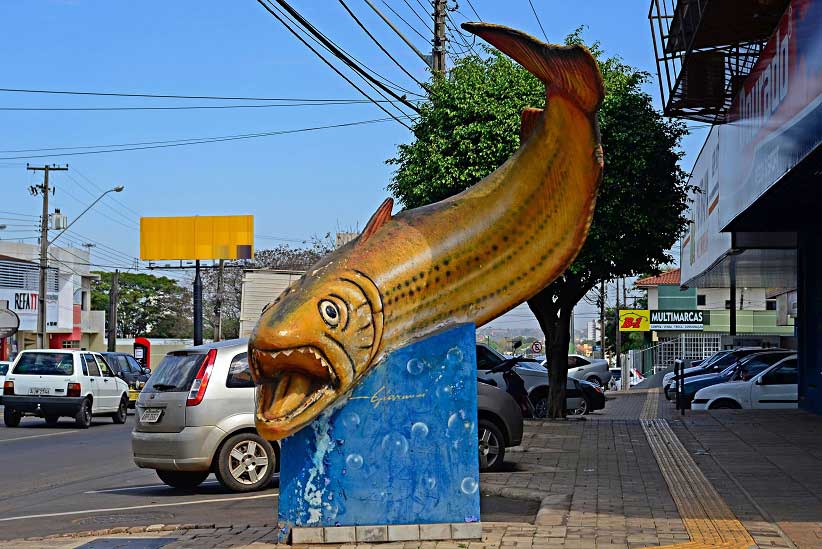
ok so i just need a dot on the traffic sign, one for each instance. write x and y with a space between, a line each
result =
536 347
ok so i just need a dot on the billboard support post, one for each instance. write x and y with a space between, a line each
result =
198 305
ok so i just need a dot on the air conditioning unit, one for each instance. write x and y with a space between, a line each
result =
58 221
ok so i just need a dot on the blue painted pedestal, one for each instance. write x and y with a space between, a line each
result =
401 450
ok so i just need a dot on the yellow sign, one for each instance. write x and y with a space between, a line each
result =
634 320
197 237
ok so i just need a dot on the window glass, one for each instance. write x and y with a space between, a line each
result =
486 359
582 362
91 364
45 364
134 365
104 367
787 374
175 373
120 363
239 375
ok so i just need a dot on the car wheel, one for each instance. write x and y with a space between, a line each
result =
491 446
11 417
184 480
245 463
595 380
52 420
120 415
83 417
541 406
582 408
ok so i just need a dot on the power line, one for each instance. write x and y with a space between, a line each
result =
196 107
178 143
167 96
401 18
345 57
414 11
377 42
94 196
276 15
538 21
114 198
471 5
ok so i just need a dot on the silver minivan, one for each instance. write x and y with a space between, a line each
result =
195 416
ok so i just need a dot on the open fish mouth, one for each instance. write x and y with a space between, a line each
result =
292 380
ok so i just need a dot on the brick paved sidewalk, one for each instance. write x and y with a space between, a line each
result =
603 486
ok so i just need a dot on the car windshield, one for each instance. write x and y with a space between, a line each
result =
714 359
175 373
757 363
45 364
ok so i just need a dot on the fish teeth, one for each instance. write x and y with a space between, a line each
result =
287 352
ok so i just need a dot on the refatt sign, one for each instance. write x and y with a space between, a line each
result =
662 320
25 301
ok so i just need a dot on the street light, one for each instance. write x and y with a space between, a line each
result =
44 247
117 189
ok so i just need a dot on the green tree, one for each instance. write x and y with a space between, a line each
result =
470 125
148 305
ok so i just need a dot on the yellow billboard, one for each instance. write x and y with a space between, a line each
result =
197 237
634 320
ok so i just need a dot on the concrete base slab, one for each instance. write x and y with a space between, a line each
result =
387 533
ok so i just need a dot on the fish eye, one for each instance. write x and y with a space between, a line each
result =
330 312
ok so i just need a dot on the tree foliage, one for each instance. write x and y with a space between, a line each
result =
470 126
148 305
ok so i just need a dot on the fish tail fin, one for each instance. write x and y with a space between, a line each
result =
568 70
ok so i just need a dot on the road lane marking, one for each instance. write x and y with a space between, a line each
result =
134 507
36 436
144 487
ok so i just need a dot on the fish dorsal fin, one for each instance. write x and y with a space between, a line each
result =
377 220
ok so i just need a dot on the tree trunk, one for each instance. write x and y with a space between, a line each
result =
554 320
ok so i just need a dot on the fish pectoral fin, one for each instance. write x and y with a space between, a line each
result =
377 220
569 70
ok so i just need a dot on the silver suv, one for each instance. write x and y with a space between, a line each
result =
195 416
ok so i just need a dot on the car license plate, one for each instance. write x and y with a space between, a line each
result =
39 391
151 415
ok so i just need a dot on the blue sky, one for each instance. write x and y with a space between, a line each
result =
295 185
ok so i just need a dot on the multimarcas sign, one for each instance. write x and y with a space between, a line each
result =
643 320
678 320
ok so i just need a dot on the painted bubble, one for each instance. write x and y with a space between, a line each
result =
431 483
454 356
454 421
394 443
415 366
468 485
351 420
419 430
354 461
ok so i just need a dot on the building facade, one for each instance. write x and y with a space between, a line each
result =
70 322
754 70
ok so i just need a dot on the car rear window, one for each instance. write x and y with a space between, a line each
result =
175 373
4 368
45 364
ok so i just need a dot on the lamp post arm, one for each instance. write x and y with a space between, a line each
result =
99 198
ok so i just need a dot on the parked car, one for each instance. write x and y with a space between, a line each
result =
713 365
4 368
126 367
776 387
53 384
744 368
593 396
499 426
535 377
616 378
195 416
594 370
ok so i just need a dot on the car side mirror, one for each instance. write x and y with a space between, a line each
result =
758 381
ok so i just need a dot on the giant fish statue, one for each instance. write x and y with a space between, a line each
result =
466 259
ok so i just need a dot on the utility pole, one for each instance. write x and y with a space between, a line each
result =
198 305
425 59
43 190
601 319
218 308
113 296
438 53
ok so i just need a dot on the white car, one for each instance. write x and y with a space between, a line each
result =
57 383
776 387
616 378
592 370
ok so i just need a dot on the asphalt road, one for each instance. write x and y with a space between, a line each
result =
62 479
